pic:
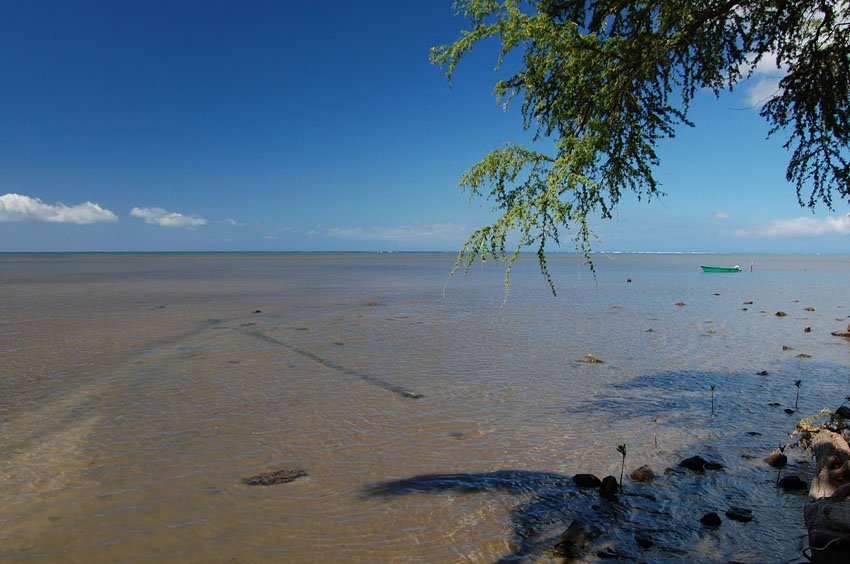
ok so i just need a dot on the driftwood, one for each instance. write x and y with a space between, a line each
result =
827 517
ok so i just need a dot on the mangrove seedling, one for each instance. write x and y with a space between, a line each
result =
779 468
622 450
655 426
797 383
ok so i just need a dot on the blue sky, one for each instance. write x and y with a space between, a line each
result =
132 126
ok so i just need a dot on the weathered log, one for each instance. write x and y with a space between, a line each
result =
827 518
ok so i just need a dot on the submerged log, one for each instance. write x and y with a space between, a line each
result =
827 518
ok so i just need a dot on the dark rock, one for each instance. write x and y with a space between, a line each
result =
575 539
610 553
649 330
754 433
642 474
748 302
276 477
711 520
793 483
745 309
776 459
762 373
789 411
586 481
644 542
716 294
787 348
804 355
699 464
807 329
747 456
609 487
257 311
808 308
843 412
739 514
780 313
590 359
628 279
774 404
680 304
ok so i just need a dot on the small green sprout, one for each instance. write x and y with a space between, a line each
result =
797 383
622 450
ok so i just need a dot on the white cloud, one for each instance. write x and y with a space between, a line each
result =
17 207
164 218
410 232
763 84
233 222
721 215
799 227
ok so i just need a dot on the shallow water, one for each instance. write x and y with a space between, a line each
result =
137 391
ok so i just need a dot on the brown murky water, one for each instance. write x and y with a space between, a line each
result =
137 391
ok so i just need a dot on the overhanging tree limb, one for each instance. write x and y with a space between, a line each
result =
604 81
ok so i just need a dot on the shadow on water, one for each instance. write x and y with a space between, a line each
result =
667 511
552 501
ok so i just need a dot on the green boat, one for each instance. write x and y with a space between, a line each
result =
706 268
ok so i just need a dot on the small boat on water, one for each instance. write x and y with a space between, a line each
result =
707 268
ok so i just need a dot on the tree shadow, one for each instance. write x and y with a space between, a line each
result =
550 502
744 429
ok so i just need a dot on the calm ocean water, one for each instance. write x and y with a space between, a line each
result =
437 422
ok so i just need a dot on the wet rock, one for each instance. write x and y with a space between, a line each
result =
793 483
748 302
740 514
590 359
845 334
275 477
762 373
774 404
843 412
804 355
610 553
747 456
257 311
716 294
776 459
787 348
754 433
711 520
789 411
807 329
745 309
699 464
574 540
649 330
628 279
586 481
808 308
643 474
644 542
609 487
780 313
680 304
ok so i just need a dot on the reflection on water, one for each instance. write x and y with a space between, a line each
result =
139 390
